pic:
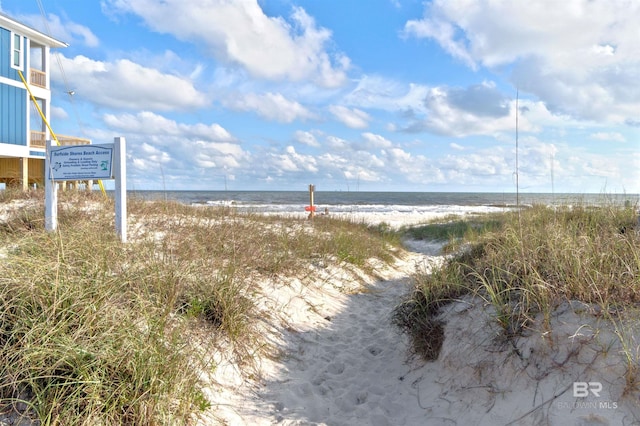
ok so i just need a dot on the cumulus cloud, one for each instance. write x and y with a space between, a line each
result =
291 161
373 141
128 85
146 158
482 100
460 117
146 122
183 163
306 138
350 117
336 143
479 109
272 106
241 33
591 74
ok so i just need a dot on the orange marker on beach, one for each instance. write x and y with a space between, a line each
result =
311 208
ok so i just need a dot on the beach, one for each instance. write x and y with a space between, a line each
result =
333 356
342 361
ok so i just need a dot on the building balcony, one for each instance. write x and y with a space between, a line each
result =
38 78
38 140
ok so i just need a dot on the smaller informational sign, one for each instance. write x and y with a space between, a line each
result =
81 162
86 162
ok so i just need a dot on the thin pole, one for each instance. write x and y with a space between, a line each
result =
517 174
553 191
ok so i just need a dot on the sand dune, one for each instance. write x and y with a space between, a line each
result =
342 362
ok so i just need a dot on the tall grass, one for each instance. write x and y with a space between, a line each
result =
96 332
530 263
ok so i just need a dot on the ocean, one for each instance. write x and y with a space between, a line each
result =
378 202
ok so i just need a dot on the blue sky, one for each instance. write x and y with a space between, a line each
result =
390 95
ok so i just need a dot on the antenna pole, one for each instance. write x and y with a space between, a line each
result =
517 177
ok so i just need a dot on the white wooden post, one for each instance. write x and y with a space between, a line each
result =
120 175
50 194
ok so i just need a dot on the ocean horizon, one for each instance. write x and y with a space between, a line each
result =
377 201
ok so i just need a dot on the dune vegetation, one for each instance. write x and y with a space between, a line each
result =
526 263
93 331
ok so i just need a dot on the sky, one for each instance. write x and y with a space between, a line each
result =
352 95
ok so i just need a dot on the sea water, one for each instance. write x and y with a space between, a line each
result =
380 202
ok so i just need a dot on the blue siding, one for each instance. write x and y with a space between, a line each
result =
6 55
13 101
5 52
13 115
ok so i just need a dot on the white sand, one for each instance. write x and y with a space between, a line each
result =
397 219
342 362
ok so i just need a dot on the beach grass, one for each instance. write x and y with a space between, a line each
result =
452 230
93 331
525 263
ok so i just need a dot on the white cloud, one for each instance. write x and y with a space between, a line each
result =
67 31
150 158
479 109
416 169
306 138
128 85
354 118
146 122
178 152
241 33
59 113
445 117
373 141
272 106
290 161
336 143
590 74
608 136
218 154
386 94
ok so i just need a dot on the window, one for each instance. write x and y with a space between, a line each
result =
17 48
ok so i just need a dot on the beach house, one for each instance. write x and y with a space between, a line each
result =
25 102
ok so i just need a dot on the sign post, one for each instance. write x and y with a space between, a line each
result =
120 174
86 162
50 195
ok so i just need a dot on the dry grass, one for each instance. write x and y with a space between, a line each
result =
96 332
531 262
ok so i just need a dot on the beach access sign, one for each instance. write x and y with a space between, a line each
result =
86 162
81 162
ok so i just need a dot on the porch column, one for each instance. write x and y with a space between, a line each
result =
45 65
24 173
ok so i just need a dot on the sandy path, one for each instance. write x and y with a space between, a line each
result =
343 362
350 372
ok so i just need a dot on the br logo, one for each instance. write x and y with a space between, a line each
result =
582 389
